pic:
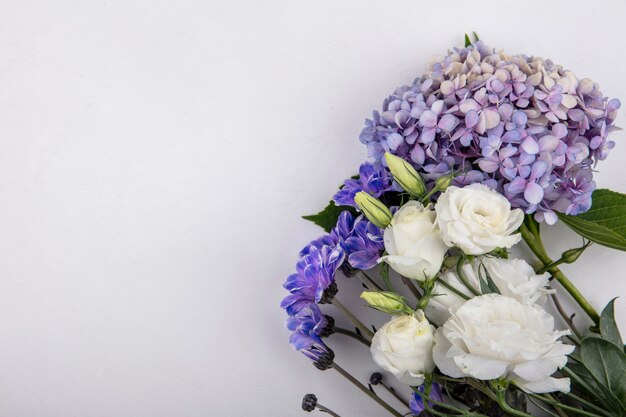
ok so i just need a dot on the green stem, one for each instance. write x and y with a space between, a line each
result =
366 390
451 288
346 332
565 317
563 406
588 404
368 282
507 408
426 400
407 282
363 328
532 237
558 410
395 394
327 410
463 278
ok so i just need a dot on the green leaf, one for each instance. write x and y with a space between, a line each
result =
605 222
468 42
327 218
607 365
487 286
476 36
608 326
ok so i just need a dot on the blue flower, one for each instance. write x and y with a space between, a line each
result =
314 280
364 244
373 180
309 325
417 404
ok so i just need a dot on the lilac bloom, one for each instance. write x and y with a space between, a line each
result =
500 115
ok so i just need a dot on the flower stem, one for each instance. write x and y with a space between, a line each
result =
327 410
407 282
566 318
507 408
463 278
353 335
587 403
563 406
368 282
363 328
426 400
532 237
395 394
366 390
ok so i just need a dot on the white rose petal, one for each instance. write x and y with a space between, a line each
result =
477 219
494 336
414 243
403 346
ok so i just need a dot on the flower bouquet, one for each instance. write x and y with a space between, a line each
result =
467 162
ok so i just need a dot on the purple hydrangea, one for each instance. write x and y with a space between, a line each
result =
521 125
417 403
374 180
314 280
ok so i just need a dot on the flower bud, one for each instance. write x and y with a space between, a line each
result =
387 302
309 402
405 175
443 182
375 211
571 255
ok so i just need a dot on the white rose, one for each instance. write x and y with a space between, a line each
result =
414 243
514 278
403 346
493 336
477 219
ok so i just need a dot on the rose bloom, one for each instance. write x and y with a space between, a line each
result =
514 278
477 219
493 336
403 346
414 243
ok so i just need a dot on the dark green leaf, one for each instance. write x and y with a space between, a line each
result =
487 286
327 218
607 365
476 36
605 222
468 42
608 327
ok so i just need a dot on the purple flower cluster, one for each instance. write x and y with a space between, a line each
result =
374 180
355 241
521 125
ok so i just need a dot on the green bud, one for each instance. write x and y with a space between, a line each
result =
405 175
443 182
571 255
387 302
373 209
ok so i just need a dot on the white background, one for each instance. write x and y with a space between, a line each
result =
155 158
